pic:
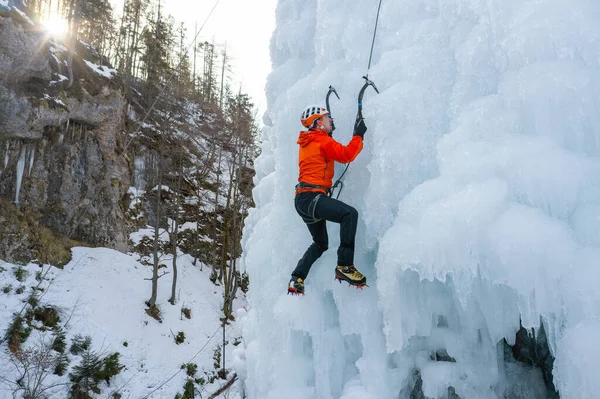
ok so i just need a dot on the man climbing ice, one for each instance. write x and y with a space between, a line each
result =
317 154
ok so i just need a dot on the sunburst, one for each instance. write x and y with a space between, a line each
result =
56 26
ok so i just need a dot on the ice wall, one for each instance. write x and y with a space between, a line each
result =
478 191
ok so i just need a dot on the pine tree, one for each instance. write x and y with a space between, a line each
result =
128 48
83 376
157 41
96 25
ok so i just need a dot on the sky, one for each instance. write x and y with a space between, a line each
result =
246 26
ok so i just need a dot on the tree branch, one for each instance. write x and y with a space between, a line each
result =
224 387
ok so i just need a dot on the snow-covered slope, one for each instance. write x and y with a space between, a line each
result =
478 191
101 293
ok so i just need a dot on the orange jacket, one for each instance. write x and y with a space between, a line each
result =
317 154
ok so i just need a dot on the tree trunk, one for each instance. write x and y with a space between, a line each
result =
176 229
152 300
223 76
74 25
174 249
216 208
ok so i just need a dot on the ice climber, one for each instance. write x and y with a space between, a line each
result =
317 155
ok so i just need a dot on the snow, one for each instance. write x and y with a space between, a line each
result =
148 232
57 47
101 293
478 192
60 77
22 14
56 100
4 3
101 69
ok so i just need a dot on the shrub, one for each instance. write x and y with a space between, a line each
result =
83 375
62 362
187 313
21 274
217 357
59 343
7 288
154 312
213 277
244 281
91 371
16 333
189 390
80 344
191 369
110 367
180 338
33 300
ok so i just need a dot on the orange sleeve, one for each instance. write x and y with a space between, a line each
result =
331 149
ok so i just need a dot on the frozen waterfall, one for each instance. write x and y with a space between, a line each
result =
478 192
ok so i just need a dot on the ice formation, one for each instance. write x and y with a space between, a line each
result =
478 191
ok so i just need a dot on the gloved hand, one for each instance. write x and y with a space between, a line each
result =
360 128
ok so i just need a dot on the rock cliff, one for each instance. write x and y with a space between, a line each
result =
59 147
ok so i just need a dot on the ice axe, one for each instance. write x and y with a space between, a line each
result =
331 90
368 82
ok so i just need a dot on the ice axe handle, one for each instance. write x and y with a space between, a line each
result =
331 90
361 94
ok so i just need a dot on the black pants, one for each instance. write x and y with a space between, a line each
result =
315 209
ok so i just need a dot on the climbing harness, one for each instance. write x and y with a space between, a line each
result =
361 93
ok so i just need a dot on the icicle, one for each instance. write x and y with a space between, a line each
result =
61 138
20 168
6 155
138 173
31 158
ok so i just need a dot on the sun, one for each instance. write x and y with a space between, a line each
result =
55 26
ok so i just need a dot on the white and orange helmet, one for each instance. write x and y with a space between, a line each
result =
312 113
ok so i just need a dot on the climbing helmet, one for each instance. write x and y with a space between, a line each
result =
312 113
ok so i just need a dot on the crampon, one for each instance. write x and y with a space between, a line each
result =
296 286
359 286
293 291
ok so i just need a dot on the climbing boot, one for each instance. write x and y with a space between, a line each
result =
296 286
350 275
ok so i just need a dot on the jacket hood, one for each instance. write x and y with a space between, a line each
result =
307 137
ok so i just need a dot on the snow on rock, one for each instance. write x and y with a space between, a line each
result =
101 69
57 47
61 78
478 193
56 100
22 14
148 232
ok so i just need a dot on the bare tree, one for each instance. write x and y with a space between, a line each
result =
155 251
33 366
175 230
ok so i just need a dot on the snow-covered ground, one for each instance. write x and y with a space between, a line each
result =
478 193
101 293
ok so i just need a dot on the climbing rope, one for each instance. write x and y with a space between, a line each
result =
373 41
180 369
359 115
